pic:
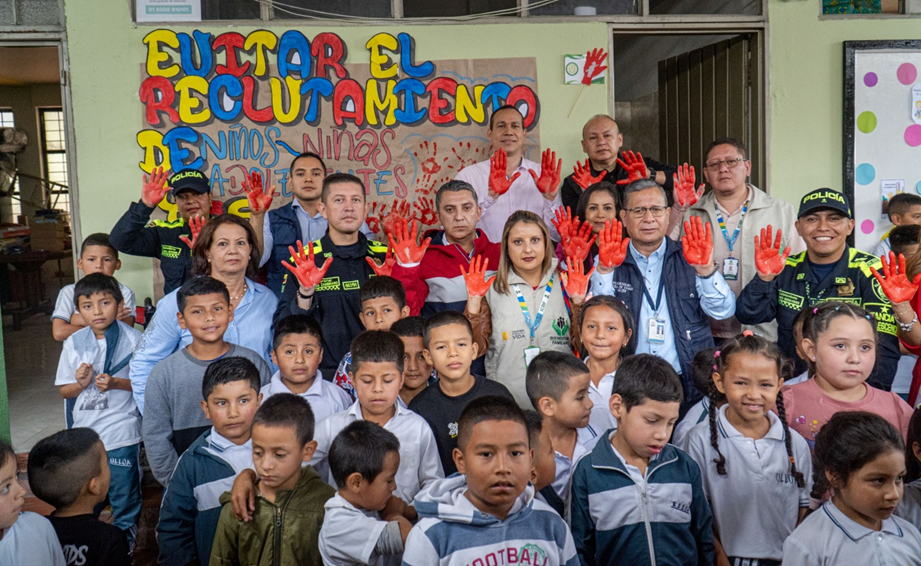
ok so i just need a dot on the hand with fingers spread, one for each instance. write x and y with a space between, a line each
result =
196 223
385 268
580 241
612 246
426 208
697 243
593 65
373 222
155 188
499 181
894 280
685 195
404 244
634 165
582 175
563 223
575 280
259 201
548 183
400 213
305 268
768 260
475 279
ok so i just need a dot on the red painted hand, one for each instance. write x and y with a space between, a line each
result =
373 222
155 188
404 244
399 215
259 201
634 165
304 267
386 268
685 195
593 65
426 208
548 183
475 279
582 175
575 280
580 241
563 223
697 242
196 223
894 280
499 181
768 259
612 246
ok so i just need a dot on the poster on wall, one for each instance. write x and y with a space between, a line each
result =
168 11
231 104
882 141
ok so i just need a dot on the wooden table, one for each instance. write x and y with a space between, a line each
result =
26 283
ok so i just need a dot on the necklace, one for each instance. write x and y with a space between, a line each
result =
245 289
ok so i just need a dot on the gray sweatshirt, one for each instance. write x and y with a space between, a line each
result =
173 418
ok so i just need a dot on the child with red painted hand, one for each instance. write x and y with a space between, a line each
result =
777 482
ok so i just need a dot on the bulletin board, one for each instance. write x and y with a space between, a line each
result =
882 130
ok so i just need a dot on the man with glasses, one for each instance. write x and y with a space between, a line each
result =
738 211
829 270
672 292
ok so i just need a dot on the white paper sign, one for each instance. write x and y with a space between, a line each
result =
573 65
168 11
916 103
888 188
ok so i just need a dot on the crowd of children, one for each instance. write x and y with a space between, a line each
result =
367 432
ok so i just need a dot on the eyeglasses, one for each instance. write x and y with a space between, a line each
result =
640 211
729 163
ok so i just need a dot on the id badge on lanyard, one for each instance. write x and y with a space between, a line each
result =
532 351
730 267
656 331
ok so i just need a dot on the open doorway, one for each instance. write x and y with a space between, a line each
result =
36 258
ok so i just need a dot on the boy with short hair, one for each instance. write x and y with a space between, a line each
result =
289 508
190 508
69 470
450 348
297 350
634 485
557 384
383 302
364 459
94 370
488 509
418 373
904 209
173 419
543 468
903 240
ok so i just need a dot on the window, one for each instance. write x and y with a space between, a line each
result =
7 121
328 8
54 155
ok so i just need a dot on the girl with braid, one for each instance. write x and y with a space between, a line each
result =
753 467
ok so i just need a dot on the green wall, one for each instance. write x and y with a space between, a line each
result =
807 90
106 53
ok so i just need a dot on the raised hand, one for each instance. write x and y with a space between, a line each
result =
475 278
196 223
563 223
894 280
374 223
404 244
549 181
685 195
304 267
259 201
582 175
499 181
385 268
612 246
575 280
697 243
768 260
593 65
634 165
399 215
155 188
426 208
579 243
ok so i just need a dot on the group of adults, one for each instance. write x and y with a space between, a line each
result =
679 308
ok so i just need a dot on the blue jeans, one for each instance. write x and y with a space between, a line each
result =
69 405
125 488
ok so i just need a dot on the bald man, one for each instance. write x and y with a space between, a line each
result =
601 141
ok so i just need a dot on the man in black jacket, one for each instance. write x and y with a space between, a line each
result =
136 234
327 288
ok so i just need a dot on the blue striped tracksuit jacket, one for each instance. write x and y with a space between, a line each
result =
452 532
616 521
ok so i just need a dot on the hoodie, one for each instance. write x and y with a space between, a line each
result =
451 531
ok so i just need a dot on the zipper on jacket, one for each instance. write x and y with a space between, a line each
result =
276 554
652 549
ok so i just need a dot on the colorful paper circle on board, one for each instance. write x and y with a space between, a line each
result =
870 79
913 135
866 122
918 187
907 73
865 174
867 226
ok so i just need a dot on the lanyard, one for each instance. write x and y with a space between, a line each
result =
735 235
655 306
540 311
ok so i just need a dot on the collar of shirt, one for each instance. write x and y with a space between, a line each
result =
252 288
854 530
605 384
839 271
296 205
726 429
728 213
653 259
351 251
632 470
276 385
355 411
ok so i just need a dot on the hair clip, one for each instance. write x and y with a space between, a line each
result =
838 308
716 354
815 310
791 461
747 333
715 368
